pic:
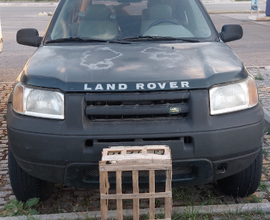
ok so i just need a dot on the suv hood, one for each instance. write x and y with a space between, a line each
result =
132 67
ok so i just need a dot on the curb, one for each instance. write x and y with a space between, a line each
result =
232 11
112 214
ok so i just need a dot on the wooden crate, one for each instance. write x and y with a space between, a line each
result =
135 159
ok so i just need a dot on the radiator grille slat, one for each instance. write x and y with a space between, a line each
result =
130 106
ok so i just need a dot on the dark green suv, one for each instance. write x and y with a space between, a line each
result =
133 73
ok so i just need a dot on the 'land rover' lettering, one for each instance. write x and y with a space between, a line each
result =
122 87
110 87
173 85
135 86
99 87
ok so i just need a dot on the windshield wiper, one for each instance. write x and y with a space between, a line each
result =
78 39
157 38
71 39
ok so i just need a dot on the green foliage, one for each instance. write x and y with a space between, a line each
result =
267 130
259 77
263 186
265 153
183 194
264 170
15 207
254 199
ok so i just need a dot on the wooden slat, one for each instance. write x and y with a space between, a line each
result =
168 200
103 190
138 161
148 148
137 196
119 192
136 205
145 156
153 147
135 167
152 190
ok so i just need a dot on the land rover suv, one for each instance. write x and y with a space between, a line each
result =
133 73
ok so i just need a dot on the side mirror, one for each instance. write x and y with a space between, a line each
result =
29 37
231 32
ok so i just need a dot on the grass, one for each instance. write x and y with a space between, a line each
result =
267 130
259 77
195 215
17 208
264 170
265 153
254 199
263 186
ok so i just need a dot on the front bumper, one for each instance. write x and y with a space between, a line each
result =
68 151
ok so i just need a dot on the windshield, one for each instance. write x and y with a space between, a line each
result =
129 21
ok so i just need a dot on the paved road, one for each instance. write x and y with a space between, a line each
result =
232 5
253 49
14 56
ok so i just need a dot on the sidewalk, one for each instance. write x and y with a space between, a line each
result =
83 204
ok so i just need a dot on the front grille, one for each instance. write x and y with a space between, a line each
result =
137 106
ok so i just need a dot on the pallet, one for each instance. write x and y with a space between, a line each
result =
135 159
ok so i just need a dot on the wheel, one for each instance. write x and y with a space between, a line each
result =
244 183
25 186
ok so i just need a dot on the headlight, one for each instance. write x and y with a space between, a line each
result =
233 97
38 102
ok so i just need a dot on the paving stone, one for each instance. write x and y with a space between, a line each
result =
4 193
266 161
263 178
264 201
2 201
267 183
3 165
6 187
12 197
261 194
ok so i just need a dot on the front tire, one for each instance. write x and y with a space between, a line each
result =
244 183
25 186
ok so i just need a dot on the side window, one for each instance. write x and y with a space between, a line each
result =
67 21
190 16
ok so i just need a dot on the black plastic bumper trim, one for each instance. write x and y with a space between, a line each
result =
202 172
